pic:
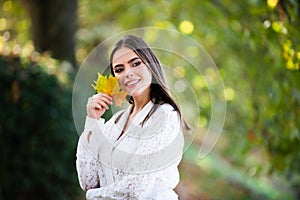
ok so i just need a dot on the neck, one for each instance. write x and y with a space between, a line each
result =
140 102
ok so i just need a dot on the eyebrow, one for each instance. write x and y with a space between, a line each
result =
130 61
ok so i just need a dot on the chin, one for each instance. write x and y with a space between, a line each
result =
138 92
135 94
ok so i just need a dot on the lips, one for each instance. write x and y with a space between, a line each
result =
132 83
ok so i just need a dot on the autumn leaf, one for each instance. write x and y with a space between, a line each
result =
119 96
110 86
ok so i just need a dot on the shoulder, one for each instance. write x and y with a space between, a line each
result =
163 115
166 110
167 107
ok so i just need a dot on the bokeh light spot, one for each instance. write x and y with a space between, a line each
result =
180 71
272 3
229 94
186 27
2 24
198 82
202 121
180 86
81 54
7 5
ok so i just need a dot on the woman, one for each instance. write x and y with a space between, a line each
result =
135 154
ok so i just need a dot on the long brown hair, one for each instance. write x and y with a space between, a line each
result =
159 93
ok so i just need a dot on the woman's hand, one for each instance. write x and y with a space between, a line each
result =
98 104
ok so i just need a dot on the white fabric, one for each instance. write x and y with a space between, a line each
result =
141 164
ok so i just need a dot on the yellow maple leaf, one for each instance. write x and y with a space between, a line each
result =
119 96
110 86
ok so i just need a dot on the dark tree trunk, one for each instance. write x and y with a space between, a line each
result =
53 26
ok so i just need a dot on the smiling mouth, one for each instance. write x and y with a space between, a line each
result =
132 83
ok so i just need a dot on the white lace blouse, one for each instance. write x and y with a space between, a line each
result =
139 164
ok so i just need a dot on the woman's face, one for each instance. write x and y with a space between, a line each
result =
133 75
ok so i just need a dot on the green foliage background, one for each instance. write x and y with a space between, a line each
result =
255 45
36 133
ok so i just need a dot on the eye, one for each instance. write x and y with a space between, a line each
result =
137 63
118 70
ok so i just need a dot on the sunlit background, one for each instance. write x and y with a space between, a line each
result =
254 43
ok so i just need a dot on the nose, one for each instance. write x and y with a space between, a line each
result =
128 73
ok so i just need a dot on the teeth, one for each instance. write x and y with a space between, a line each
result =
132 82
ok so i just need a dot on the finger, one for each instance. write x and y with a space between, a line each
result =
103 99
97 106
94 106
102 105
102 95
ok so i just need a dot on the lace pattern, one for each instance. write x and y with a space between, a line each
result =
142 164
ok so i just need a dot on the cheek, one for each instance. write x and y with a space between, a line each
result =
120 81
148 75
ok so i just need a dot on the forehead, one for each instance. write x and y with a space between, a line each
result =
122 55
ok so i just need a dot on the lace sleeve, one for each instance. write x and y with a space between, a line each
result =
87 167
136 186
130 187
87 164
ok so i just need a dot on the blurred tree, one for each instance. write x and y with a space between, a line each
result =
254 43
37 134
53 26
